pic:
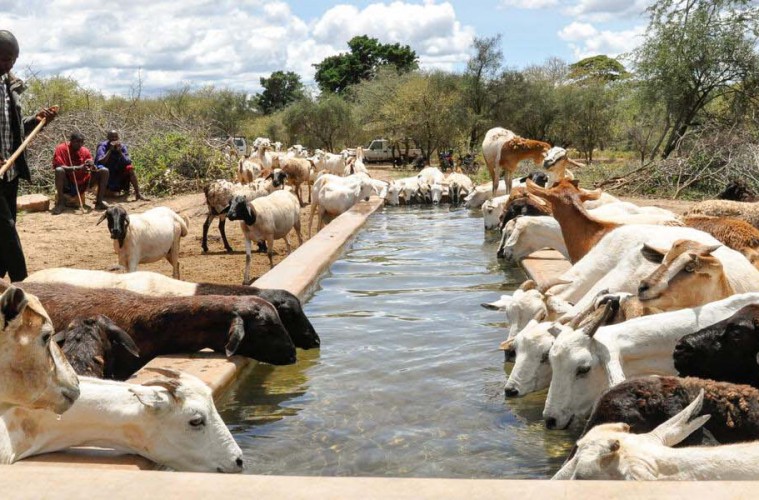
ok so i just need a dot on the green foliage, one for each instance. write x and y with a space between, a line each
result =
321 123
280 89
696 51
337 73
597 69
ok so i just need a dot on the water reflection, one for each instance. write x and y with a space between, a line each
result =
409 380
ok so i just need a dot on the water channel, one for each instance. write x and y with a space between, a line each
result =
409 380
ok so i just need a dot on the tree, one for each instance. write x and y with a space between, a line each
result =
597 69
337 73
324 122
695 52
280 89
481 73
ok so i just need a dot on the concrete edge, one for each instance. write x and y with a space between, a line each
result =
545 265
298 273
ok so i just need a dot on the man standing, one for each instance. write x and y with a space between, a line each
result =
13 129
112 154
74 166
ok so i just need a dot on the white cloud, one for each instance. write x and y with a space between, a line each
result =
530 4
585 40
607 10
104 44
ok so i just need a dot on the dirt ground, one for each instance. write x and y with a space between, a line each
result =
73 240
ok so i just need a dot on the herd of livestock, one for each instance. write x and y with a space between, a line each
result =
650 336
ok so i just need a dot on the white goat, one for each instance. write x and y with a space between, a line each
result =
392 197
431 175
586 362
172 421
610 451
146 237
332 163
334 198
268 218
525 235
491 211
459 186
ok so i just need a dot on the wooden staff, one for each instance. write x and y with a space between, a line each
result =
9 163
73 176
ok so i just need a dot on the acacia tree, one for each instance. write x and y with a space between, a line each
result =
337 73
695 52
324 122
480 78
280 89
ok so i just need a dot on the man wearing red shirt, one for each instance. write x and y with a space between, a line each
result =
73 164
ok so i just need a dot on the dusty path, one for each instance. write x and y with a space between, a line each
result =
73 240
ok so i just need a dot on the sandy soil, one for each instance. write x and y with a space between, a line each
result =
73 240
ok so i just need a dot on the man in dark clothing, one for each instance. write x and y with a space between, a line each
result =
13 129
113 155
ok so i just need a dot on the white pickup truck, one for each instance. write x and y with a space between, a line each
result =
382 150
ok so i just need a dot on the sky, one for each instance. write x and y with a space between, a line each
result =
110 46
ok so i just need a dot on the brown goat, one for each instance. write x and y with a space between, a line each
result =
502 148
734 233
247 326
298 171
581 231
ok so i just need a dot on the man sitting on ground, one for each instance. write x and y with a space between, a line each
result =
74 167
113 155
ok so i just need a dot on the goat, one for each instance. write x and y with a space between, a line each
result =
726 350
459 186
735 233
268 218
87 344
392 197
521 203
171 420
502 148
332 163
492 210
219 194
643 403
610 451
525 235
247 326
555 162
747 211
586 362
519 317
146 237
737 190
288 305
33 370
334 198
248 170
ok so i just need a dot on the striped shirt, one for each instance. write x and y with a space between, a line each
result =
6 136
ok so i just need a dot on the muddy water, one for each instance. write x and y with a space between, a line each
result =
409 381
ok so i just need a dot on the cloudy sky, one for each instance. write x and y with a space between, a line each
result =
108 45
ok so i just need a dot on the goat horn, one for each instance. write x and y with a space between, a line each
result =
678 427
575 163
609 308
170 385
551 283
101 219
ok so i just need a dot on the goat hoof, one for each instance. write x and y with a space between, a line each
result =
229 250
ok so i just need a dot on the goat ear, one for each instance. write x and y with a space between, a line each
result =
101 219
507 345
528 285
236 334
152 399
590 195
708 250
12 303
118 336
651 254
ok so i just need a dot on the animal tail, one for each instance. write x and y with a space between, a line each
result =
184 223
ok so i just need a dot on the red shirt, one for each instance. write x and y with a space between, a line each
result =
64 156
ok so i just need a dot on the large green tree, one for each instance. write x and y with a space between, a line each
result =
480 80
597 69
695 51
325 122
280 89
337 73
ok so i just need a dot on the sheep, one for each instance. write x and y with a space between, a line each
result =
146 237
644 403
248 170
737 190
87 344
726 350
298 171
332 163
170 419
610 451
502 148
334 198
288 305
268 218
247 326
584 363
735 233
33 370
746 211
220 192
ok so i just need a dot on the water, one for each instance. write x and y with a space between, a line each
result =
409 380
